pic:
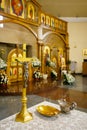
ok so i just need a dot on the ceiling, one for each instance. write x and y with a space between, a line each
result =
76 9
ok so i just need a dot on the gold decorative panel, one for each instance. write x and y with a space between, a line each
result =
31 11
43 18
2 4
47 20
17 7
52 22
14 69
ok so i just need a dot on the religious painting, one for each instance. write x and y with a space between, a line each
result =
17 8
14 73
14 68
43 18
13 62
60 55
56 23
2 5
64 26
47 20
52 22
31 11
54 60
60 52
84 52
20 72
60 25
46 55
20 56
10 71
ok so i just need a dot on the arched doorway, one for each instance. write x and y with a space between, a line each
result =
57 46
17 33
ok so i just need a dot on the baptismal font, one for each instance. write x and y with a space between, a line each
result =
24 115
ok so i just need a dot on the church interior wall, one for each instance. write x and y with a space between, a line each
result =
18 36
78 42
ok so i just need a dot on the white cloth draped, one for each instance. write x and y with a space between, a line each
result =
75 120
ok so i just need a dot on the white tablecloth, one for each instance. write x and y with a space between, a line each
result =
75 120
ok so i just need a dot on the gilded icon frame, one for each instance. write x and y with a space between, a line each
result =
85 52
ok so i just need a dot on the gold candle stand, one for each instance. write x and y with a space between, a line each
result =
24 115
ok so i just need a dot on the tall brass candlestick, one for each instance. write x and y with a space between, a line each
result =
24 115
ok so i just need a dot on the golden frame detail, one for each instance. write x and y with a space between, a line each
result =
31 11
84 52
2 5
17 10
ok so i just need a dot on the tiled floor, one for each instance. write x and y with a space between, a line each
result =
53 90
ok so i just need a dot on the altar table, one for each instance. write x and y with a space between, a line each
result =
75 120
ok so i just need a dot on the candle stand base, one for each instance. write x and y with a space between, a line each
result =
24 117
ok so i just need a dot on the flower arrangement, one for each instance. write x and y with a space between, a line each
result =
50 63
36 62
3 65
68 79
45 76
53 74
37 75
3 79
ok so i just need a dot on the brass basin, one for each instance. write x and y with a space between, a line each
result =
47 110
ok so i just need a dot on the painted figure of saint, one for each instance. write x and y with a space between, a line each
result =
47 58
17 7
63 64
0 3
31 12
43 19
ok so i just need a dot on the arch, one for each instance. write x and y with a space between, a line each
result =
50 32
20 23
56 42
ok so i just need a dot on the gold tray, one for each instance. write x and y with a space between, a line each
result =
47 110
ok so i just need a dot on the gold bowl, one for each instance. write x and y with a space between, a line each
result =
47 110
